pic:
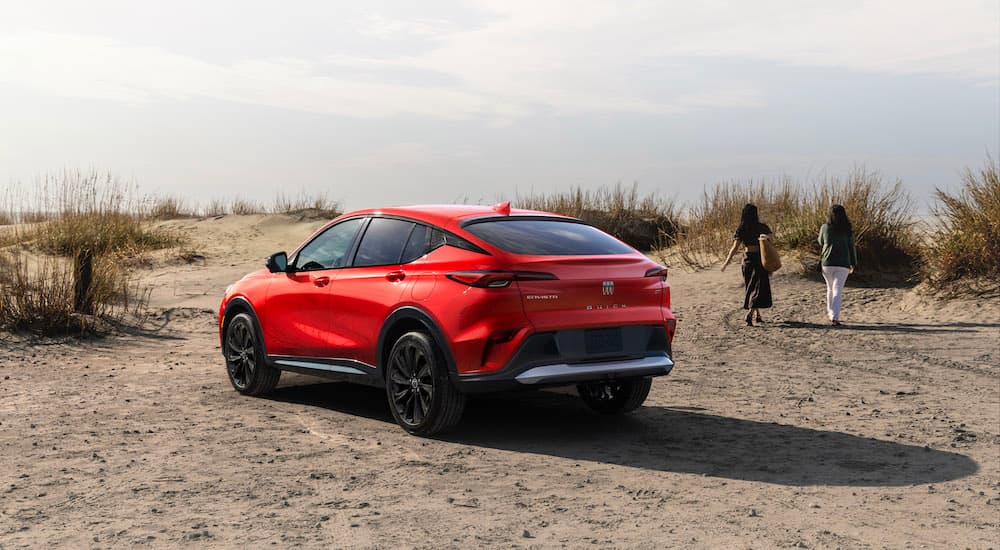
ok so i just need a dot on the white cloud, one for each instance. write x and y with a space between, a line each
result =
535 56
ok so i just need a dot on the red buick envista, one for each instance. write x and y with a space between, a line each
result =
434 303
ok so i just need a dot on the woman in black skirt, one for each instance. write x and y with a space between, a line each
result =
756 279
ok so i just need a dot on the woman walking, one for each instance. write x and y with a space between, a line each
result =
840 257
756 279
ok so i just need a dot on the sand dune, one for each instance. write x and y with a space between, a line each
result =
882 433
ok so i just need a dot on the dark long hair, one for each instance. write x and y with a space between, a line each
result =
837 220
749 223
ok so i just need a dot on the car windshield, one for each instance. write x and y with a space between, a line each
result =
547 237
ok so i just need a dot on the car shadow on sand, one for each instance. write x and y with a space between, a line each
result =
666 439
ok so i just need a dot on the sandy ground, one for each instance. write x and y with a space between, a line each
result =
883 433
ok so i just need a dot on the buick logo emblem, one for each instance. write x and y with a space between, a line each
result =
608 288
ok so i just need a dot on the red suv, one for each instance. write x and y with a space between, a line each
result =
437 302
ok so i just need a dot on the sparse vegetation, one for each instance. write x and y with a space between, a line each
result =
881 214
245 207
170 208
319 205
644 222
966 241
45 236
37 294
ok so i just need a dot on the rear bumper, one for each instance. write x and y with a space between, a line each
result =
565 373
561 357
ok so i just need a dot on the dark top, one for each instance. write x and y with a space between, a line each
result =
750 238
838 247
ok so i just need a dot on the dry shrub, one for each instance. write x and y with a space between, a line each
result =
215 207
38 295
244 207
85 213
317 205
881 214
170 208
966 240
644 222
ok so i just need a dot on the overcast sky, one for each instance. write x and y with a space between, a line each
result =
395 102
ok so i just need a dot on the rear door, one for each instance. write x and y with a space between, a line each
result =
365 293
599 281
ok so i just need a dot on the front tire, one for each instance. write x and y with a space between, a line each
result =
245 358
615 396
421 396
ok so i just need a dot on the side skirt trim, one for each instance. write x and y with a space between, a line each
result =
332 367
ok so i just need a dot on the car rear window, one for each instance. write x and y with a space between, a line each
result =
547 237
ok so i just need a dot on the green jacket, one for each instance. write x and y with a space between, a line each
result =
838 248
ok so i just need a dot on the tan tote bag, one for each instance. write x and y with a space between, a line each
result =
769 254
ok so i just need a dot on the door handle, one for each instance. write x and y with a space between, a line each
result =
395 276
321 281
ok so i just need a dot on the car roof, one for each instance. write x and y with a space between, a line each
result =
443 215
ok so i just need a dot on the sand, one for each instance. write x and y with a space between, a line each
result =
882 433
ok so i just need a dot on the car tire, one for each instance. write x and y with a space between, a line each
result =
421 396
615 396
246 362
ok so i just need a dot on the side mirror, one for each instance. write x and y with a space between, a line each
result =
277 262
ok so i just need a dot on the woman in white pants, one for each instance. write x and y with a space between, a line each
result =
839 258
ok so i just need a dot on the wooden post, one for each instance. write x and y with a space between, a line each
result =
83 277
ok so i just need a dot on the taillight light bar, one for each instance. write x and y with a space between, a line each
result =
497 279
658 271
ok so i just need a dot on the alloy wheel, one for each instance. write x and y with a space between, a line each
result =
241 354
411 383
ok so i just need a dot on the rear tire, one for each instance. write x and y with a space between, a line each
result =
421 396
615 396
246 361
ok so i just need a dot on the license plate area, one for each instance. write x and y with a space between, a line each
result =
603 340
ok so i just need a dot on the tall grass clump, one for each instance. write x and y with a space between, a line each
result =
170 208
881 213
318 205
644 222
64 271
966 239
93 212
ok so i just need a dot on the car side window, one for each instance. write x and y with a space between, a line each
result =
417 245
329 249
423 240
383 242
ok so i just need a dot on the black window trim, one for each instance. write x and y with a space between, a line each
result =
450 239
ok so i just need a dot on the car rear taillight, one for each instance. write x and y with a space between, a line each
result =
658 271
497 279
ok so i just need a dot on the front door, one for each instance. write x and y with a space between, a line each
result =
297 314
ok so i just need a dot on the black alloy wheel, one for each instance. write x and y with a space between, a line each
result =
245 364
421 397
615 396
412 389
